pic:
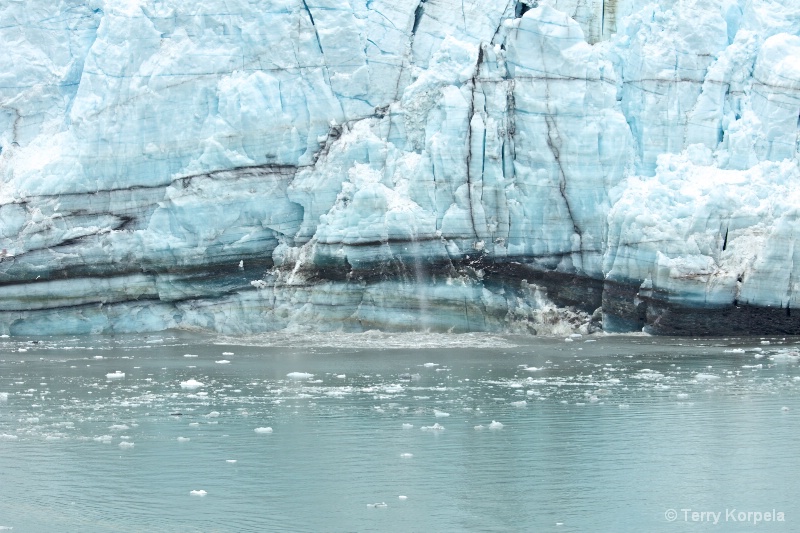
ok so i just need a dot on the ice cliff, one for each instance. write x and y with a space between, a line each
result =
246 165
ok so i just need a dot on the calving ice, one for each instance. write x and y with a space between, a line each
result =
540 167
730 515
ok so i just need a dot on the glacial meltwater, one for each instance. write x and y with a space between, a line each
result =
184 432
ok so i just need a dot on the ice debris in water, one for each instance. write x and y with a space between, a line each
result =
263 431
189 355
521 403
183 439
212 414
299 375
784 408
191 384
115 375
430 365
479 427
223 362
227 353
408 426
3 396
435 427
406 455
231 461
706 377
440 414
198 492
126 445
118 427
495 425
6 436
401 497
380 505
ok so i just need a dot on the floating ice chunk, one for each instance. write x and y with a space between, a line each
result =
575 335
198 492
440 414
393 389
784 408
115 375
624 406
212 414
682 396
521 403
734 350
191 384
119 427
531 369
765 342
380 505
706 377
231 461
105 439
759 365
340 376
223 362
263 431
495 425
435 427
126 445
568 340
408 426
32 420
227 353
3 396
98 357
406 455
401 497
6 436
430 365
189 355
184 439
479 427
194 423
299 375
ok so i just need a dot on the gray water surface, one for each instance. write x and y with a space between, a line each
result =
603 433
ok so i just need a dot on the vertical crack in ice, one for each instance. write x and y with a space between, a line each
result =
418 12
554 144
470 115
313 25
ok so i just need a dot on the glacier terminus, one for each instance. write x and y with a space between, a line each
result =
448 165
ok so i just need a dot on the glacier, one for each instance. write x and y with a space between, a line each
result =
476 165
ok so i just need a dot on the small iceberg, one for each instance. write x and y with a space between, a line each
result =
223 362
198 493
380 505
299 375
440 414
191 384
184 439
263 431
495 425
189 355
435 427
126 445
406 455
115 375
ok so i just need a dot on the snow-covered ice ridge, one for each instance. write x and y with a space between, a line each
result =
448 165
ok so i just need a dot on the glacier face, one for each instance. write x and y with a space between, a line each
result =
343 164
